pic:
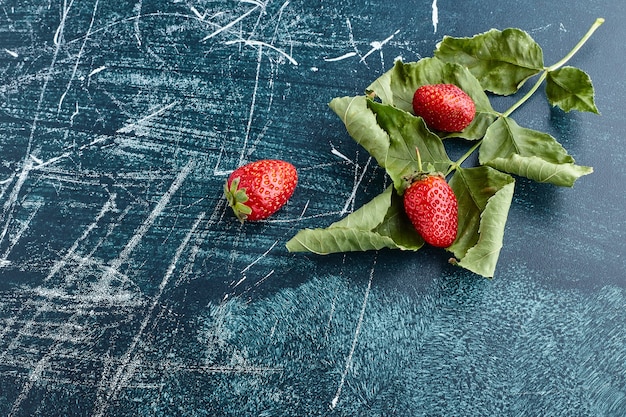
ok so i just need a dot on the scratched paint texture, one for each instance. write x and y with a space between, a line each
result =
128 288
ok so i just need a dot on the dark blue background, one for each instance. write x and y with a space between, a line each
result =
127 287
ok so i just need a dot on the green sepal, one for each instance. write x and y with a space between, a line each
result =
236 198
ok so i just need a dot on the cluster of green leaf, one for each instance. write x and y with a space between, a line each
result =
382 121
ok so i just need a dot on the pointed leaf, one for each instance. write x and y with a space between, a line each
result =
361 124
398 227
337 240
528 153
501 60
484 196
381 88
380 223
370 215
570 89
406 133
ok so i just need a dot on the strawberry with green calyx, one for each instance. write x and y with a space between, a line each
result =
432 207
444 107
258 189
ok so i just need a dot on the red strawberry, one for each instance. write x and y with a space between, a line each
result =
444 107
258 189
431 205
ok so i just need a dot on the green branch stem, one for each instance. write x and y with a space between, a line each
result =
542 77
544 74
599 21
467 154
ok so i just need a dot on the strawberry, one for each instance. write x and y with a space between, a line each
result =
431 205
444 107
258 189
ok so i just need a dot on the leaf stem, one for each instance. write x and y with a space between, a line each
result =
462 159
529 94
599 21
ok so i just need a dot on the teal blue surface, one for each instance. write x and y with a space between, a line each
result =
128 288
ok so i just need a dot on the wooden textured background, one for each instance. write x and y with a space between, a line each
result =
128 288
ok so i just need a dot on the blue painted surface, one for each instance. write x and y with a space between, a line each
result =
128 288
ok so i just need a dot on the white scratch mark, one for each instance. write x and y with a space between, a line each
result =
351 37
240 281
129 127
342 57
34 375
9 205
12 53
74 114
59 32
333 306
255 2
229 25
125 370
78 57
138 8
376 45
306 207
335 152
280 15
261 43
221 172
357 182
357 331
35 159
542 28
260 257
43 164
269 274
252 107
25 225
179 251
195 11
300 218
435 16
108 206
145 226
12 199
97 70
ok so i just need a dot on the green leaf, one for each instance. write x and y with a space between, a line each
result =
528 153
379 224
397 226
370 215
484 196
406 133
571 89
361 124
397 86
501 60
